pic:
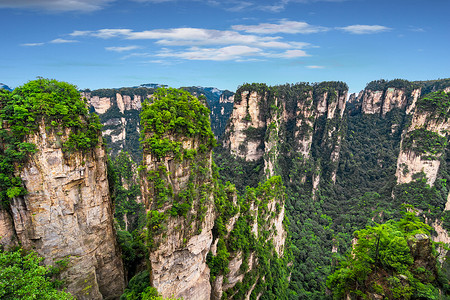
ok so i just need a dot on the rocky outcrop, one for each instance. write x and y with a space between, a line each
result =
119 113
118 110
67 214
178 253
264 221
100 104
425 139
306 119
178 195
247 119
383 101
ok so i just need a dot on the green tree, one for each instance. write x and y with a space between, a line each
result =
22 276
396 260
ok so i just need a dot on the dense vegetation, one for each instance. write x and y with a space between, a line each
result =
22 276
174 113
325 219
220 112
42 102
269 275
395 260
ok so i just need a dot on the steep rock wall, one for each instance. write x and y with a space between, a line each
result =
425 139
257 232
58 203
298 122
383 101
118 110
67 213
119 113
247 117
178 252
177 192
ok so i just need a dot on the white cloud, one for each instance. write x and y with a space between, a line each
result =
203 44
80 33
416 29
284 26
122 49
315 67
294 53
32 44
214 54
364 29
62 41
193 37
56 5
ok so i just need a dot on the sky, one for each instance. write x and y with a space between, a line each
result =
115 43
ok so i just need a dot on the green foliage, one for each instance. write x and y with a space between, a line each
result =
173 113
22 276
133 249
383 254
58 104
429 86
260 88
269 275
139 285
437 104
382 85
156 225
419 194
122 172
425 142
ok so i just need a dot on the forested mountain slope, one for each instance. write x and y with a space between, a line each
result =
345 165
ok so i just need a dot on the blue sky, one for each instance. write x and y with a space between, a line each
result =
107 43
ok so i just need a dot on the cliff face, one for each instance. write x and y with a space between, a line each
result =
381 97
197 229
302 122
177 192
182 237
425 139
66 211
119 113
118 110
256 233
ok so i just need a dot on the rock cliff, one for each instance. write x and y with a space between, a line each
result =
197 228
425 139
380 96
299 122
119 113
250 243
177 192
118 110
62 208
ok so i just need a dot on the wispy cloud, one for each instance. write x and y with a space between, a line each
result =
122 49
214 54
56 5
364 29
315 67
62 41
240 43
416 29
283 26
193 37
32 44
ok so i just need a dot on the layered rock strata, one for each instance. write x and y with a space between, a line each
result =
67 214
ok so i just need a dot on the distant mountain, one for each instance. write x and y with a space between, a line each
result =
5 87
153 85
